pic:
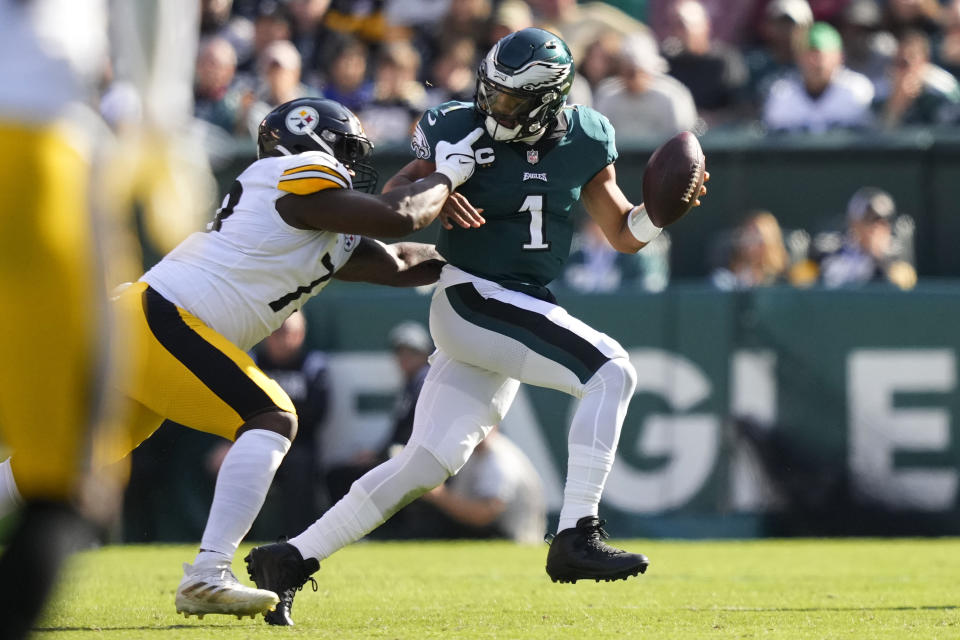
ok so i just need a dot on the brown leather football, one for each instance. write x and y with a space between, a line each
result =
672 179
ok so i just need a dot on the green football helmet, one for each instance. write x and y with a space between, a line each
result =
523 83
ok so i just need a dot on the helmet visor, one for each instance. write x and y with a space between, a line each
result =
351 149
507 107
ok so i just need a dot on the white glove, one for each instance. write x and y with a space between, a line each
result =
456 160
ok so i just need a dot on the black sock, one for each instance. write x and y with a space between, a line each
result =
48 532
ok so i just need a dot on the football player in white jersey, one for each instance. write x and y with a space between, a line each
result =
51 327
293 220
63 233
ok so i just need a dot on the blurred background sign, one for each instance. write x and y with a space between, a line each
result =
768 412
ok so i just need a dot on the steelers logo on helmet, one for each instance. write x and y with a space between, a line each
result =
302 120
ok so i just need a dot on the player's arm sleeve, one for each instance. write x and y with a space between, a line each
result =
310 173
603 150
402 264
609 141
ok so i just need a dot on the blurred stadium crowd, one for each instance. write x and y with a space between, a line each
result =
666 66
654 67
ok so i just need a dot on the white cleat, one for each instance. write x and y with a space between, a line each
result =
215 589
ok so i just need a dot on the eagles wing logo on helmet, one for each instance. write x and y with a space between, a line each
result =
533 76
541 74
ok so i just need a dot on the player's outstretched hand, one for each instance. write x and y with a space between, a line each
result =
458 209
455 160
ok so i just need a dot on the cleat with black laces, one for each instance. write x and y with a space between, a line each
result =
580 553
280 568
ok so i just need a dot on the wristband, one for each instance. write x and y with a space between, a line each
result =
641 226
454 176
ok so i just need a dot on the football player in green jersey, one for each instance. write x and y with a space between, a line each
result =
506 235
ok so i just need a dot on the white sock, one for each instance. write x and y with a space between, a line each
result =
353 517
211 559
376 496
587 470
242 485
10 498
592 442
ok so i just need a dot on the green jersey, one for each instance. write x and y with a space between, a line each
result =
526 191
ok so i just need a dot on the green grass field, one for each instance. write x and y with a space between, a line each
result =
805 589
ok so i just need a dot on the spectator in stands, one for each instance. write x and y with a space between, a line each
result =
868 49
731 21
824 94
714 72
753 255
921 93
216 100
497 494
453 73
901 16
364 21
278 82
411 345
452 22
581 24
214 15
399 99
217 19
643 101
415 15
510 16
868 253
783 29
347 81
313 39
948 49
466 18
273 22
595 267
600 59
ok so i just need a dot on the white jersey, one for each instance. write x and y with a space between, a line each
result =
845 103
251 270
50 51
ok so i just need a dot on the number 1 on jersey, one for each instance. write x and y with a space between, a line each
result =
534 204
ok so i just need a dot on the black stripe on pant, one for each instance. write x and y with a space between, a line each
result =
214 368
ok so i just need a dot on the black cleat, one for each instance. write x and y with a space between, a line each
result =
280 568
580 553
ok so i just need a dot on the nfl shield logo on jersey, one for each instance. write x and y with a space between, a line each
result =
533 156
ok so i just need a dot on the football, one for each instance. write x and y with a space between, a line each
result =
672 179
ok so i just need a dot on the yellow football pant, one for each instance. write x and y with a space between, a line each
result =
186 372
50 357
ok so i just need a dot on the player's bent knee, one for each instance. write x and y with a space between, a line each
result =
619 372
282 422
450 458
